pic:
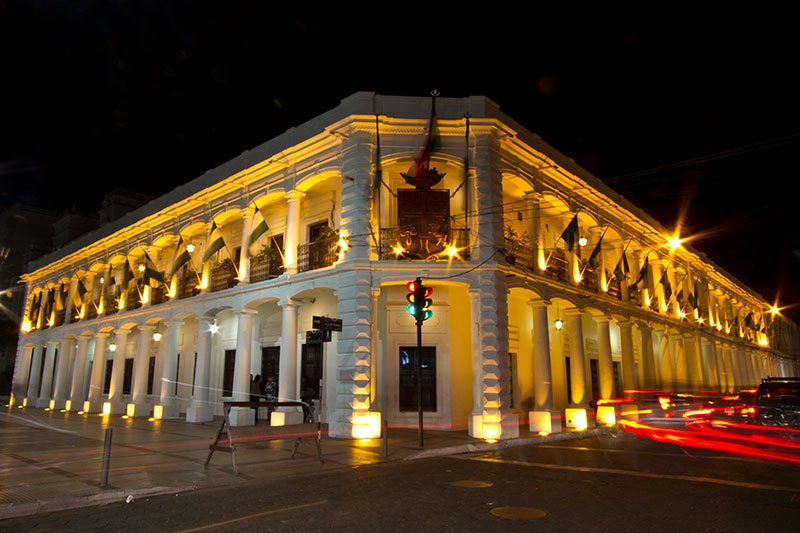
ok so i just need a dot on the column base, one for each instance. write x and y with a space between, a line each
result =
577 418
198 414
114 407
93 406
161 412
134 410
286 418
31 401
57 405
544 422
508 427
42 402
74 406
630 412
606 415
242 416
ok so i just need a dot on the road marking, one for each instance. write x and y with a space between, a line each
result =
256 515
642 452
741 484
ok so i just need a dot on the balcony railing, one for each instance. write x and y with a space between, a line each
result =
614 289
589 280
457 238
59 318
223 276
189 285
519 254
158 295
263 267
557 267
134 299
91 310
319 254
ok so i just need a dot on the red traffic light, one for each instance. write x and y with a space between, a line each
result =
411 286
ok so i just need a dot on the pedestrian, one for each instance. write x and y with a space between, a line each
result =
270 394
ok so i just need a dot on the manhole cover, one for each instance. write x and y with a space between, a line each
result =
471 484
518 513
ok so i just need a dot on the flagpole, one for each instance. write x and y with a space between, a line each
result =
598 244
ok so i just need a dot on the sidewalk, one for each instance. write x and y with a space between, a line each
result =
52 461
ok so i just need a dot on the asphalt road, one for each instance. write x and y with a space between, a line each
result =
623 483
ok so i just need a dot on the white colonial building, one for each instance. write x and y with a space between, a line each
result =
153 315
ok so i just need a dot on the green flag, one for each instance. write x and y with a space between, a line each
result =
81 292
215 246
180 261
621 270
150 274
127 274
643 271
594 259
260 229
570 233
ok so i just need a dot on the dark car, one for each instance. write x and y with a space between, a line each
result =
777 403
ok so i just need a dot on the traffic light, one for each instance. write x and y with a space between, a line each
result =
418 301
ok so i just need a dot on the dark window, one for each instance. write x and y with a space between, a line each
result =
617 377
151 374
194 372
107 381
408 378
593 368
177 375
310 371
271 364
41 371
511 362
52 373
315 231
569 381
227 373
127 376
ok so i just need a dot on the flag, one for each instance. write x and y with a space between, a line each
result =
181 259
260 229
216 245
150 272
570 233
594 259
622 270
643 271
127 274
110 281
33 313
60 299
420 174
666 285
81 293
748 321
48 306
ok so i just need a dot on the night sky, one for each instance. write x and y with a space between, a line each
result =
688 115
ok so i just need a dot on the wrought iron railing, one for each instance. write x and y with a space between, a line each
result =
319 254
158 295
589 280
457 238
59 317
519 254
188 285
614 289
263 267
223 276
91 310
134 300
557 267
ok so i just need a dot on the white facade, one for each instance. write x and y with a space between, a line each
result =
500 359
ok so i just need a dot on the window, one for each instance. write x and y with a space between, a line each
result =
594 369
316 231
407 392
52 373
127 376
227 373
151 374
41 369
618 377
270 364
310 371
107 381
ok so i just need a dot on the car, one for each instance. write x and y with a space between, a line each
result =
777 403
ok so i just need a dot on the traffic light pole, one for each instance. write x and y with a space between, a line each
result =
419 379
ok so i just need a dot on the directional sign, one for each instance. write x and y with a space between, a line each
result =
323 322
318 336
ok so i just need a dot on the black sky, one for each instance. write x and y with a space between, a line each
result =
150 94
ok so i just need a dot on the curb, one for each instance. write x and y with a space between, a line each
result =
17 510
510 443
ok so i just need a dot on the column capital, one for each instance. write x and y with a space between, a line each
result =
539 302
602 319
289 302
294 194
146 327
122 331
573 312
102 334
173 323
85 336
247 312
643 325
533 195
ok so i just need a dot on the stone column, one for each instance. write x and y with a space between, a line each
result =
205 275
46 391
605 366
543 419
648 363
475 353
35 375
63 375
116 404
244 416
141 364
292 230
658 288
665 360
708 357
167 406
200 411
244 259
681 382
730 380
76 394
21 377
94 404
287 379
534 230
579 394
629 381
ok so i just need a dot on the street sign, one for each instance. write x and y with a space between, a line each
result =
318 336
323 322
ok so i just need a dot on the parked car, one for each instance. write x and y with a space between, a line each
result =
777 403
